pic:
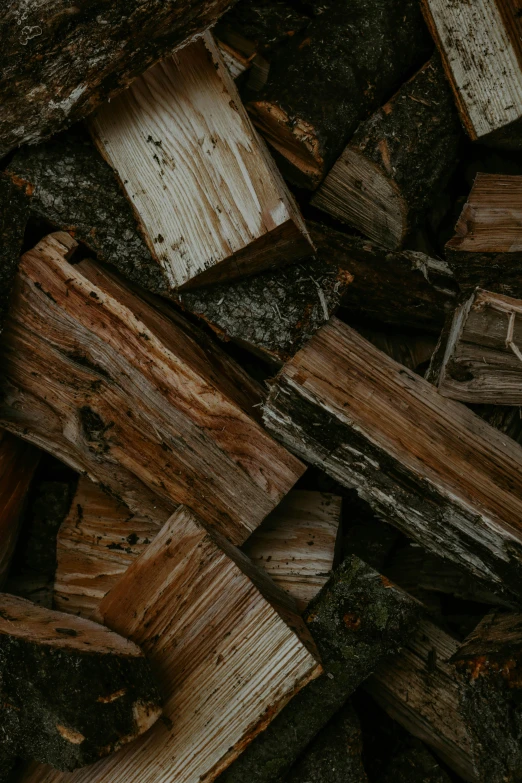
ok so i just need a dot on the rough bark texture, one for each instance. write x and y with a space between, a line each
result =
13 219
335 754
60 62
415 765
342 65
400 288
72 691
356 620
397 161
259 25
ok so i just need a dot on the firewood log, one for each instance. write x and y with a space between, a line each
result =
72 690
60 62
13 219
357 619
425 463
335 754
298 542
397 161
404 288
215 628
208 195
411 349
137 401
415 765
486 250
341 66
18 462
480 46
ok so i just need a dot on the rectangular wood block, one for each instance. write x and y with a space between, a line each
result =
209 198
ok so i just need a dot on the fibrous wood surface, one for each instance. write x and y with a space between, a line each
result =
134 399
374 425
226 658
210 200
61 61
72 690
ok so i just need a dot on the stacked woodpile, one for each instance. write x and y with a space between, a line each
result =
261 391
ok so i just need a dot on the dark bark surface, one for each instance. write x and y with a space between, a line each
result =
345 63
356 620
260 25
415 765
60 61
13 219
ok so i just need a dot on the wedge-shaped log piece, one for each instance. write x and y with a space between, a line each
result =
18 462
209 197
135 400
72 690
482 361
357 619
425 463
297 543
60 62
226 657
486 251
397 161
481 48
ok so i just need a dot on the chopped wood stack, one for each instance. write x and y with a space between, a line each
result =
242 538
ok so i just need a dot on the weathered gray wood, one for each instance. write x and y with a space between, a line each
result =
141 403
397 161
486 250
356 620
482 361
72 690
60 62
425 463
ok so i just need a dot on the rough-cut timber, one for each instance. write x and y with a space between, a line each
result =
134 399
482 362
209 198
72 690
13 219
481 49
216 630
342 65
298 542
18 461
425 463
356 620
404 288
61 61
397 161
486 250
335 754
97 542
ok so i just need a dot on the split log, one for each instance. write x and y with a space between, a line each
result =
407 348
209 198
397 161
373 425
298 542
72 691
482 361
486 251
13 220
400 288
328 77
335 754
216 630
60 63
481 50
18 462
356 620
141 403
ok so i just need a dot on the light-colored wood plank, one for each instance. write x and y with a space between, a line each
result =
297 542
226 659
209 198
131 398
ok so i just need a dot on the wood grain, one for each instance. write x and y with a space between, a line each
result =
209 198
119 392
227 660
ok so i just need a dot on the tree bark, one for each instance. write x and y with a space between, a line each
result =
59 63
373 425
397 161
72 691
330 76
13 219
